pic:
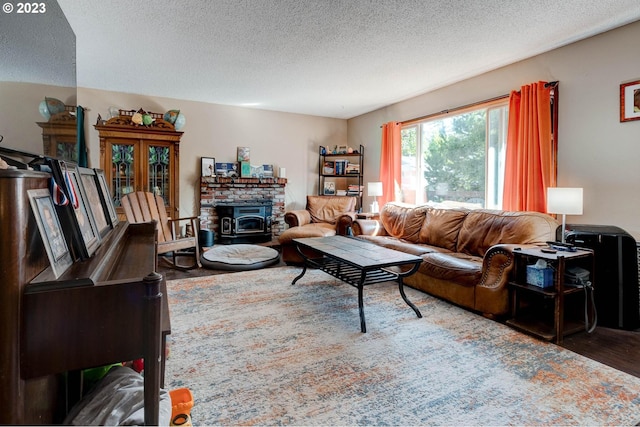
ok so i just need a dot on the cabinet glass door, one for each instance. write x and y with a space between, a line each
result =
159 176
67 151
123 179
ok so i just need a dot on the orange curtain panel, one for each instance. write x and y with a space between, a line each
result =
390 162
530 157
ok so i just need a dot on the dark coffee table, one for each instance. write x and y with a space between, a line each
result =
358 263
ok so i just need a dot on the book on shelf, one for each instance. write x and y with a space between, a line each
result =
340 167
352 168
354 190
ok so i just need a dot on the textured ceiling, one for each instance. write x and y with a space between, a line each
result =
333 58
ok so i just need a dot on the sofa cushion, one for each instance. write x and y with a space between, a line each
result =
483 228
402 245
461 269
403 221
441 227
329 208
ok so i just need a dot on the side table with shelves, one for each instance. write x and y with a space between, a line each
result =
552 312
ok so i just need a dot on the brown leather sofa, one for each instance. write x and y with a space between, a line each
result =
467 254
323 216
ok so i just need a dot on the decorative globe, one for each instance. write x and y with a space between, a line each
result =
181 120
171 116
50 106
44 111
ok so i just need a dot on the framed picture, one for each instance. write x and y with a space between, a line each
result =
207 166
228 170
630 101
245 170
76 217
107 198
50 230
86 222
94 200
244 154
342 149
328 167
329 188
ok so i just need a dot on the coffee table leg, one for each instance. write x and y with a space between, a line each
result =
401 287
404 297
299 276
363 325
304 266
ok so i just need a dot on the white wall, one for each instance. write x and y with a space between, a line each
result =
595 150
282 139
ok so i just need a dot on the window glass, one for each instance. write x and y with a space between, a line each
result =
456 159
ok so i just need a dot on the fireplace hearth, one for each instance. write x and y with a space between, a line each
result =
258 202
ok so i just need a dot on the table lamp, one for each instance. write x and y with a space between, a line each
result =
374 189
565 201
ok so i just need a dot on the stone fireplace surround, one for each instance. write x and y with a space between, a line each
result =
219 190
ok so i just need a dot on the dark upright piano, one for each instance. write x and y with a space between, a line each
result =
109 308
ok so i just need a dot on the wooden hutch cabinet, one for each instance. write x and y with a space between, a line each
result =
60 135
138 157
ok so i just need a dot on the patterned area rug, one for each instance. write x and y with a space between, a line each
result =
254 349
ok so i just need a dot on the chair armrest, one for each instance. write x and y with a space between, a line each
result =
343 225
368 227
189 218
297 218
195 225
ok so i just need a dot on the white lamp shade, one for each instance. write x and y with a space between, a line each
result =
374 189
566 201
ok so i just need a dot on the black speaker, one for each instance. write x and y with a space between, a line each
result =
617 291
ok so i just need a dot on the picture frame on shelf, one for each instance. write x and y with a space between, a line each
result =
94 200
207 166
267 171
107 198
342 149
244 154
227 170
329 188
328 167
85 221
245 170
630 101
50 230
76 216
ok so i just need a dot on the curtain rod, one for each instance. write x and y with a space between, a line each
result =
464 107
451 110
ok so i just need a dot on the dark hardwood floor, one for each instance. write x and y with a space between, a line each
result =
619 349
614 347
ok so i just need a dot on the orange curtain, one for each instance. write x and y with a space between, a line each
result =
530 158
390 162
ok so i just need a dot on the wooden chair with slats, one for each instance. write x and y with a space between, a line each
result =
146 207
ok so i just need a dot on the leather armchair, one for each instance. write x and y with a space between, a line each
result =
324 216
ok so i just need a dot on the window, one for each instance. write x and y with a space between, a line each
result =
456 159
